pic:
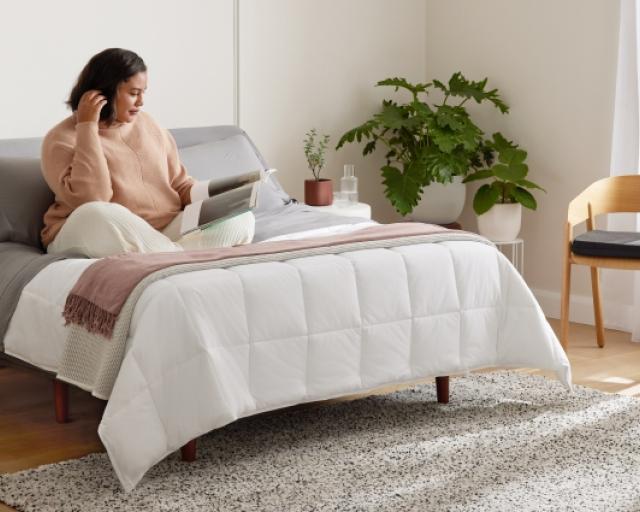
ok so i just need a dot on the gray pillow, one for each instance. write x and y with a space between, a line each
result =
24 199
228 157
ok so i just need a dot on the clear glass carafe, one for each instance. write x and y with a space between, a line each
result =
349 184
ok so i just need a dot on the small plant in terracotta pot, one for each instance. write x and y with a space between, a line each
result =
317 191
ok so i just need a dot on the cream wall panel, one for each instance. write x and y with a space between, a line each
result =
309 63
187 46
555 63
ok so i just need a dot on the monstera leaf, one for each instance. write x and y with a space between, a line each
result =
485 198
398 83
460 86
403 188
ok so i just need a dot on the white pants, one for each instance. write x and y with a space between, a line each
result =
99 229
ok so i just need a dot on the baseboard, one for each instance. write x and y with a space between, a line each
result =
616 315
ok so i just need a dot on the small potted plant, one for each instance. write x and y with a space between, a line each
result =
317 191
499 204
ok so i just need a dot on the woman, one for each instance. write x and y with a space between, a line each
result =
117 179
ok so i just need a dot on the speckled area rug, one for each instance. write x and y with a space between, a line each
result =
507 441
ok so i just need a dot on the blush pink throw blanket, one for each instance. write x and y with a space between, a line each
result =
101 291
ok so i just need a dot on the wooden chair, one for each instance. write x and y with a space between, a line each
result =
617 194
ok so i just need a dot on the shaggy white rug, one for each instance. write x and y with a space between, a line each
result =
505 442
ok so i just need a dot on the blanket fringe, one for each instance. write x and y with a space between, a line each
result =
80 311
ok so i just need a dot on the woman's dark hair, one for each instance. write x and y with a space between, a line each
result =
104 72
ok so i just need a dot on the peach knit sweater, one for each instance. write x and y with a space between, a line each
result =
134 164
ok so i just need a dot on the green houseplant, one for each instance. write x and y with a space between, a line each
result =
317 191
509 183
498 204
426 143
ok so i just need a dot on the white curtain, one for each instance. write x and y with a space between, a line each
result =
625 150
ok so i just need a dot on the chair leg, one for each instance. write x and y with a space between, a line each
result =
188 451
61 400
597 306
442 389
564 305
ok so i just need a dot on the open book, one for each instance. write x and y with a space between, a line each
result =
216 200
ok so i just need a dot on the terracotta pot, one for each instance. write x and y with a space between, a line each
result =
318 192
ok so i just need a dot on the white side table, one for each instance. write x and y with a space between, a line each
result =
514 251
347 209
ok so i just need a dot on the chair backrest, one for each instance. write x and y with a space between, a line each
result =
617 194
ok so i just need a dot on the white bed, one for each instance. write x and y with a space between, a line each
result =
206 348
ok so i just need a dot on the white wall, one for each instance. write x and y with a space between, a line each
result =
554 63
303 64
309 63
187 46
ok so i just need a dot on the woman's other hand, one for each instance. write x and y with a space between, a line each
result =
90 105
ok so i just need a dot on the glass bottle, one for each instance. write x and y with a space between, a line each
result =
349 184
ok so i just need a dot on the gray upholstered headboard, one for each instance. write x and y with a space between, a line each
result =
207 152
20 148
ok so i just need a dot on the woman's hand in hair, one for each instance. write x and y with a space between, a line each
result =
90 106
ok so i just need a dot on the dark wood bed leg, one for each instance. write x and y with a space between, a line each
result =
188 451
61 400
442 389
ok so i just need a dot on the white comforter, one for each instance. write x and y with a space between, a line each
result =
206 348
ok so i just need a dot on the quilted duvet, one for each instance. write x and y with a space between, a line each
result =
208 347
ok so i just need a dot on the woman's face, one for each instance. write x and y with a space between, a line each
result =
130 97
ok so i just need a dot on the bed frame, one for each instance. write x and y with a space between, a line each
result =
189 451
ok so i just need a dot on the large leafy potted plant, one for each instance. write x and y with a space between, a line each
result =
499 204
427 143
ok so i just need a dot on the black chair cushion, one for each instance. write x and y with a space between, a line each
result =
607 244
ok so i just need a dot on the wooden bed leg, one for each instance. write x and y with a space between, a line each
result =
61 400
188 451
442 389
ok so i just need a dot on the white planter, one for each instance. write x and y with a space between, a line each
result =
441 204
501 223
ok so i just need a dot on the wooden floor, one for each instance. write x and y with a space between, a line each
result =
29 435
614 368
